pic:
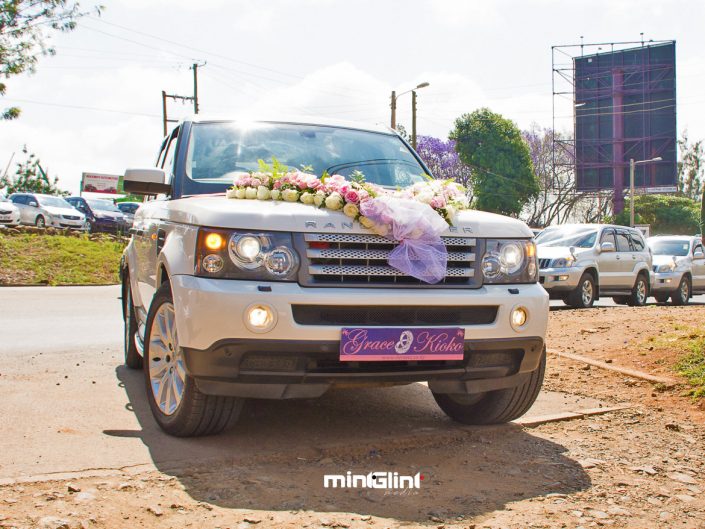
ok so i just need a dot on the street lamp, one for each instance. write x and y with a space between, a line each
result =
413 109
632 165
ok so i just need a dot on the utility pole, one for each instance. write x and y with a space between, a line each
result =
193 98
413 119
394 109
7 168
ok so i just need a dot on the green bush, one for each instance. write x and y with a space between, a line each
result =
666 214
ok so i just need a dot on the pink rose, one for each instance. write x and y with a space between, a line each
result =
352 196
364 195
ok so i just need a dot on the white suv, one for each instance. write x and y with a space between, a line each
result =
679 267
581 262
230 299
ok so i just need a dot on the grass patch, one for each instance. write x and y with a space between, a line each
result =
31 259
692 366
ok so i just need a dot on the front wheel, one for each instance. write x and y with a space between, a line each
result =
494 407
583 296
682 295
178 406
40 222
640 292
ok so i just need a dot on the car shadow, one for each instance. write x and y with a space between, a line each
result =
276 456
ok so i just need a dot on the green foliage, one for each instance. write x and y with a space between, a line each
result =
692 367
503 179
666 214
25 26
31 178
691 166
58 260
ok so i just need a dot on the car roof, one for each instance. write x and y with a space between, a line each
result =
294 120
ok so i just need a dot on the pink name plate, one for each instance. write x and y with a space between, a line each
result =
364 344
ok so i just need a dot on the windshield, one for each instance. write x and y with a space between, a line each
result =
669 247
218 151
102 205
580 237
128 208
56 202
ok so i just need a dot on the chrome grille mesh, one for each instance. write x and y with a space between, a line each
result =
334 259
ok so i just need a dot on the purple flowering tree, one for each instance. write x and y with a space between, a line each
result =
442 159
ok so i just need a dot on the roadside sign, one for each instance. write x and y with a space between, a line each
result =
101 183
661 189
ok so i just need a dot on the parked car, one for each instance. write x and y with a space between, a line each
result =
128 209
47 210
679 267
102 215
9 213
579 263
229 299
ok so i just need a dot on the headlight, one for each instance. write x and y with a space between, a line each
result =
668 267
563 262
509 261
229 254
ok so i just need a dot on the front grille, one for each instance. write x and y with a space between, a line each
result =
3 212
544 263
333 259
71 217
393 315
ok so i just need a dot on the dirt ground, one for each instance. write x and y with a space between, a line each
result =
640 467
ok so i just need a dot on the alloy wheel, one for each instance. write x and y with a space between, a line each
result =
167 375
587 292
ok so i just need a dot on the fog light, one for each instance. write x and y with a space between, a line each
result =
562 278
212 263
518 317
260 318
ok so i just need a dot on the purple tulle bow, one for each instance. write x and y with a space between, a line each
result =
421 252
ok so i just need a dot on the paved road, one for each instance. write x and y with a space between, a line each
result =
69 405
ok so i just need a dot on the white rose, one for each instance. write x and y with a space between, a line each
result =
366 222
451 211
307 198
263 193
250 192
231 193
334 201
351 210
319 198
425 197
290 195
275 194
240 192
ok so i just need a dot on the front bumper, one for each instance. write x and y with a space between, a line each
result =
665 282
560 279
10 219
297 359
59 222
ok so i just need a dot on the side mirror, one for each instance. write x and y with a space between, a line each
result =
146 181
607 247
33 203
699 255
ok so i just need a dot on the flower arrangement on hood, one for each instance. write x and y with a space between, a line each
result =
414 216
351 197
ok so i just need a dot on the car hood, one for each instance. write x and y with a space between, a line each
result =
665 259
218 211
54 210
114 215
8 206
555 252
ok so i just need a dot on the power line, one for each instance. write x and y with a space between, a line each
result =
80 107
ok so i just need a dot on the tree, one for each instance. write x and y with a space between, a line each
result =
502 176
443 161
690 166
31 178
25 26
666 214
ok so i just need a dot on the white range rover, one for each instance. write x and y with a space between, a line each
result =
294 281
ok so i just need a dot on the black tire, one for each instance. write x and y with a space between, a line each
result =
682 295
133 359
583 296
661 298
196 414
494 407
40 221
640 292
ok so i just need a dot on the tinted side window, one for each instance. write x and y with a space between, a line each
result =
637 242
698 247
623 242
608 236
20 199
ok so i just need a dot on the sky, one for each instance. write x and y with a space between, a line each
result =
96 105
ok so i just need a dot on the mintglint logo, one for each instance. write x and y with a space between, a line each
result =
373 480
